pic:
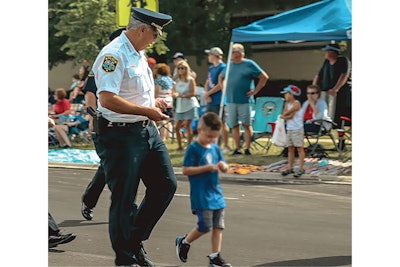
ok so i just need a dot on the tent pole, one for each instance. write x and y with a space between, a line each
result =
221 105
228 61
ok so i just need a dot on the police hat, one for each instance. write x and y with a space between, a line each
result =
155 19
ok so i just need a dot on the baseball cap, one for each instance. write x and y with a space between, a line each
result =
178 55
332 47
216 51
293 89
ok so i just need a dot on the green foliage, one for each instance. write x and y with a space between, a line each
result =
197 25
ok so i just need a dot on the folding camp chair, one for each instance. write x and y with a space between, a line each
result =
323 127
267 110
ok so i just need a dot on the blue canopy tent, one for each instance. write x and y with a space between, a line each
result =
321 21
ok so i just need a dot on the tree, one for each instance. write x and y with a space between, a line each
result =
84 25
198 25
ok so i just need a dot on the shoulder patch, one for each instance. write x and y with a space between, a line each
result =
109 64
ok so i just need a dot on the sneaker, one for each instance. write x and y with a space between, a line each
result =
218 261
181 249
286 172
55 240
142 257
247 151
86 212
237 152
225 150
299 173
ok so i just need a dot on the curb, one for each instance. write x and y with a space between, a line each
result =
253 177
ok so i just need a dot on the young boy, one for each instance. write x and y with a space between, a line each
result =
294 127
202 162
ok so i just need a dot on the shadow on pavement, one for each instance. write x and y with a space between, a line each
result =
72 223
323 261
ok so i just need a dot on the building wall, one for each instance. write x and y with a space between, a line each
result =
280 65
61 76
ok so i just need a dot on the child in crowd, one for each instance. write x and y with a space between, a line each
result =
202 162
293 116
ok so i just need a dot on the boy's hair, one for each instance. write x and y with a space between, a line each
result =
211 120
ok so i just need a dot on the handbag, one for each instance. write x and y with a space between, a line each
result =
279 135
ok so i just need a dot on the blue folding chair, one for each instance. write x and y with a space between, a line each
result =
267 111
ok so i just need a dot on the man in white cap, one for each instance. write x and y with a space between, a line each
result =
131 147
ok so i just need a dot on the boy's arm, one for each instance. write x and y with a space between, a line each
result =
194 170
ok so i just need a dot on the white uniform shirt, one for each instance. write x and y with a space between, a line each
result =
120 69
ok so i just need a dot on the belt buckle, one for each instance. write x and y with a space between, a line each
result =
121 124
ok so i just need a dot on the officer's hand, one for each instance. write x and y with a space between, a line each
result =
161 104
155 114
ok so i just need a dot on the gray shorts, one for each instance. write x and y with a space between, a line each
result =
295 138
238 112
188 115
209 219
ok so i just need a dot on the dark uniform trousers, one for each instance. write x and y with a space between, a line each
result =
53 227
96 186
129 154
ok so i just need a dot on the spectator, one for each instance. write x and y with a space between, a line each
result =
152 65
178 57
213 92
314 108
333 77
186 102
74 84
62 107
242 72
294 129
77 95
64 130
163 89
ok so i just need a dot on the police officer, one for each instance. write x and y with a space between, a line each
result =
96 186
131 147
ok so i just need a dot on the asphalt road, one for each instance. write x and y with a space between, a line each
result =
266 224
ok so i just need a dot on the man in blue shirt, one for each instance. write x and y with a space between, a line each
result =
242 72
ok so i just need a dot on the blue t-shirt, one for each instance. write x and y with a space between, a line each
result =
205 190
213 73
241 76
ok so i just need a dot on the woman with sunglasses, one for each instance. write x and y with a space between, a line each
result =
314 108
184 91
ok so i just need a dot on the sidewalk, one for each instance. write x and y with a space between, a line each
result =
253 177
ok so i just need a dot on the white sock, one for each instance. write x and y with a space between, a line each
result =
184 241
213 255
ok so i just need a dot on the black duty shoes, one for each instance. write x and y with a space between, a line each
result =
142 257
86 212
55 240
218 261
181 249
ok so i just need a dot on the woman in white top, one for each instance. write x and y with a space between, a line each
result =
184 91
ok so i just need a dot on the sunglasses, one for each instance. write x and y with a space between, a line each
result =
181 68
311 93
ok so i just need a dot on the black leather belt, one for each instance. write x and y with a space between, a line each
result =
129 124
